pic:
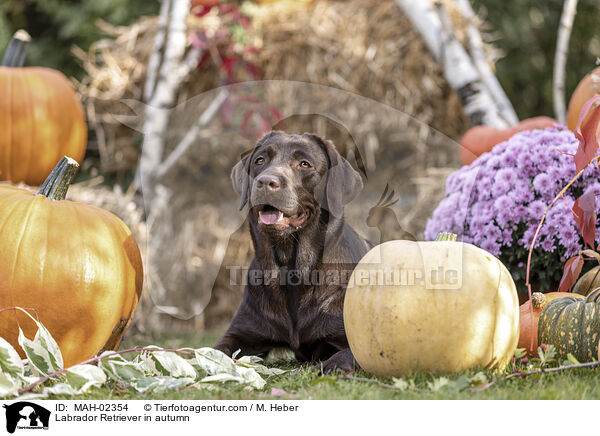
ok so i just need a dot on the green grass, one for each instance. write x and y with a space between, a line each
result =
306 383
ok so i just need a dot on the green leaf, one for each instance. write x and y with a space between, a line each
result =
60 389
253 362
160 384
9 385
460 383
10 361
400 383
83 377
222 378
438 384
520 353
145 383
39 357
171 364
548 355
251 377
43 352
572 359
172 383
120 369
478 379
215 362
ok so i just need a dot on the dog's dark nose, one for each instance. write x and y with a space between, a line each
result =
268 183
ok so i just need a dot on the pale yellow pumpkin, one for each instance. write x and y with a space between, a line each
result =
460 311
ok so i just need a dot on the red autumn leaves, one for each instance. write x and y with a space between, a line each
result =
588 133
584 209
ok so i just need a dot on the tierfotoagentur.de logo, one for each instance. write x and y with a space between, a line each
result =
24 415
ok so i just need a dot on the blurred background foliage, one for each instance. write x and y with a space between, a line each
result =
57 25
524 30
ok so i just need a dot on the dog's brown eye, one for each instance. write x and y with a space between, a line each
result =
259 161
305 164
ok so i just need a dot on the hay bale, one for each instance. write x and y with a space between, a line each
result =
365 47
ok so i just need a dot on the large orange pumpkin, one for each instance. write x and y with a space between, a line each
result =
586 89
481 139
41 118
76 266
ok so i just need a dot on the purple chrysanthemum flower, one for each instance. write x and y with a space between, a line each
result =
514 184
536 209
542 183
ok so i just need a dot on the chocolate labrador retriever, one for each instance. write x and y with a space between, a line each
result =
296 187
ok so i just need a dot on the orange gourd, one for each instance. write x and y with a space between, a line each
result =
528 330
41 118
588 87
75 267
481 139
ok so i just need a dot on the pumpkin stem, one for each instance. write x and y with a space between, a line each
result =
57 184
538 300
445 236
16 50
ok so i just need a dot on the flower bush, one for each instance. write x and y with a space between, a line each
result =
497 202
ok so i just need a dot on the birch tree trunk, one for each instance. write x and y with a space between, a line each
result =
469 78
560 59
162 83
482 63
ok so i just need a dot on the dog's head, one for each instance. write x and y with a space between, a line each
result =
287 178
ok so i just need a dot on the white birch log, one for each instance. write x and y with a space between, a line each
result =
164 95
560 59
434 26
157 48
482 64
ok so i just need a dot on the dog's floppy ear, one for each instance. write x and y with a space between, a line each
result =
240 178
343 182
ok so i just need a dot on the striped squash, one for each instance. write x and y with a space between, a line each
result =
572 325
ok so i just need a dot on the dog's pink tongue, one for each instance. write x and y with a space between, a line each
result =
269 216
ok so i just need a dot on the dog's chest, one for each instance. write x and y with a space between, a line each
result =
308 315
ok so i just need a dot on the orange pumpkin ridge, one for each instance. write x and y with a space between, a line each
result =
587 88
77 265
481 139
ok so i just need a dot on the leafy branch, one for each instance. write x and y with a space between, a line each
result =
152 369
97 359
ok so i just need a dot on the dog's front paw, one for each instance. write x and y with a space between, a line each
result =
341 361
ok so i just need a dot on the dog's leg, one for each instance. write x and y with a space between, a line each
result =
244 334
229 344
341 361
